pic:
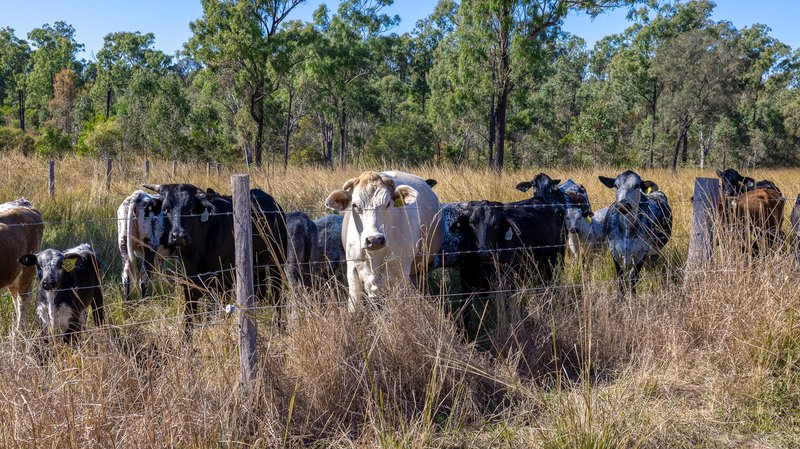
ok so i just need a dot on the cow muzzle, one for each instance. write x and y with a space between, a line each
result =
48 284
375 242
178 238
625 206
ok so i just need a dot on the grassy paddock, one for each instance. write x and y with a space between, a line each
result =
705 359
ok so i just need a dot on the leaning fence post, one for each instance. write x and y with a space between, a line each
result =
108 174
704 208
51 179
245 299
146 169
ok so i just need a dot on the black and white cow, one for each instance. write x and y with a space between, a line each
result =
329 245
140 236
200 228
586 233
638 225
303 252
69 284
548 191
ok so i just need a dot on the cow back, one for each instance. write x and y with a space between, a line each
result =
760 208
21 231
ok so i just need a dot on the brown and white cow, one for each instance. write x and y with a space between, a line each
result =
390 232
21 229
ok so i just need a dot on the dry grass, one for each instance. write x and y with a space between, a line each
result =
707 360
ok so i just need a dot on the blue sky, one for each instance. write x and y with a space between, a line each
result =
169 19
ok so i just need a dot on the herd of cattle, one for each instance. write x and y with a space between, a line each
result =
391 232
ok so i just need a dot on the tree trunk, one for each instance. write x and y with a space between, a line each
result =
702 151
500 124
108 102
342 135
653 125
21 99
257 113
248 153
288 131
685 149
684 129
492 134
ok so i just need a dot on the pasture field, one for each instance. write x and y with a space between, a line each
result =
709 358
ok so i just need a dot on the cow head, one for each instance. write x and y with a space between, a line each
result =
543 188
733 184
628 186
148 219
51 265
186 207
578 221
372 200
484 227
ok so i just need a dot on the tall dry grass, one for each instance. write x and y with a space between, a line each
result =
707 358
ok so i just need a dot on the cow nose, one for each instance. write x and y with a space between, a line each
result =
572 230
375 242
48 284
177 237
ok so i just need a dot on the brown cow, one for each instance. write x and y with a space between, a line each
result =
760 213
21 229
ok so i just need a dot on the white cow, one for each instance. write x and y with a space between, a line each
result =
586 232
140 226
390 232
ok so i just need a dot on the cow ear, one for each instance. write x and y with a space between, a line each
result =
153 187
28 260
431 182
350 184
719 173
404 195
608 182
556 181
339 200
204 201
524 186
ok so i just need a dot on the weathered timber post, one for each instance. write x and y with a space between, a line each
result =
174 168
146 169
245 298
208 169
51 179
219 169
704 211
108 174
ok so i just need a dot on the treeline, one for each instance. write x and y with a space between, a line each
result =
477 82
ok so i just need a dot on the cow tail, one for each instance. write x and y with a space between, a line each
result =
129 229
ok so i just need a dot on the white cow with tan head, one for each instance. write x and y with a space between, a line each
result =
390 232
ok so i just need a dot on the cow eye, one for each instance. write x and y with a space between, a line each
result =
356 208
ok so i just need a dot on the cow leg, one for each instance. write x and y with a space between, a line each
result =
621 281
98 312
275 287
355 287
191 296
21 295
126 280
144 274
634 280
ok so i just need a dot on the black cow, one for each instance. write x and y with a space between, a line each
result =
496 238
303 252
734 184
69 283
200 228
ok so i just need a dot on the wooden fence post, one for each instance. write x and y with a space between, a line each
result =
219 169
704 212
146 169
245 298
51 179
208 169
108 174
174 168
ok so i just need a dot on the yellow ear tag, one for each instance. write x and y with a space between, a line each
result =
398 202
588 219
555 188
68 264
649 189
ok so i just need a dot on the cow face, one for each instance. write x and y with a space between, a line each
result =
733 184
150 220
51 265
578 221
483 227
543 188
185 207
373 201
628 187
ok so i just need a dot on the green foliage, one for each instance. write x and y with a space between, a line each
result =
409 142
100 138
53 142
